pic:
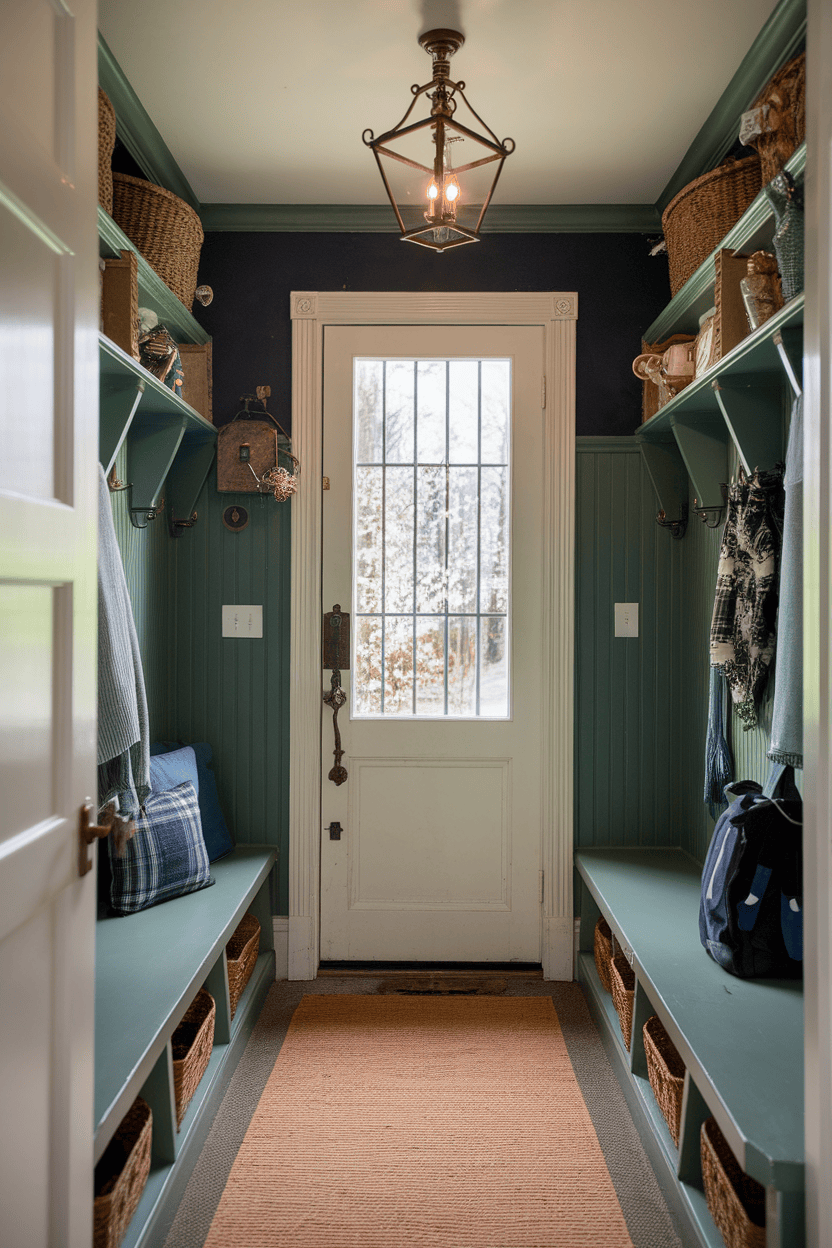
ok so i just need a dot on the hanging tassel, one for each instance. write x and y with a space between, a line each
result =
719 769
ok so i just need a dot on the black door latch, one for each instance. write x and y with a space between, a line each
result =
335 831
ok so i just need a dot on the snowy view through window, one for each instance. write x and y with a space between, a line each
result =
431 538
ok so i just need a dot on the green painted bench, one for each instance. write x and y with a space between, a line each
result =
149 967
741 1040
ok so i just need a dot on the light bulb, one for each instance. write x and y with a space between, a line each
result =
433 191
451 191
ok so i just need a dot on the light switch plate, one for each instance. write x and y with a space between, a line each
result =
626 619
242 621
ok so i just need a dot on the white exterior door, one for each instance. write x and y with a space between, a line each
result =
433 443
49 404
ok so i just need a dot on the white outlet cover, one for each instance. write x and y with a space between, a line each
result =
242 621
626 619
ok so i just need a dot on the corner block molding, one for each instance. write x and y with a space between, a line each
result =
555 312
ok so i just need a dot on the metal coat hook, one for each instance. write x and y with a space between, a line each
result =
676 528
717 512
788 367
114 485
176 526
149 513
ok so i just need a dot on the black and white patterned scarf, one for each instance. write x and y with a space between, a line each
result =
745 607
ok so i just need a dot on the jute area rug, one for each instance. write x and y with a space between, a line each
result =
449 1122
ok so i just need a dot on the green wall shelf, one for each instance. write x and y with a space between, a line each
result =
166 438
153 293
753 231
741 402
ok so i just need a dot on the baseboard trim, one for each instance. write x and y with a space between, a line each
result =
280 931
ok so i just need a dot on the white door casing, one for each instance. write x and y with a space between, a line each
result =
48 603
817 627
555 313
439 859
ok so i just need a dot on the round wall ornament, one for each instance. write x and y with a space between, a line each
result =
235 518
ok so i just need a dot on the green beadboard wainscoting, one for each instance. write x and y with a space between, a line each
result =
148 569
232 692
641 705
748 748
626 763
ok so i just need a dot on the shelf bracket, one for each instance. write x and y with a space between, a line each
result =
752 415
788 367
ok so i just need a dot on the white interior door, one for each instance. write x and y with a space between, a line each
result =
49 398
433 444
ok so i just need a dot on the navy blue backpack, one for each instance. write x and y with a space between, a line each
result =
751 908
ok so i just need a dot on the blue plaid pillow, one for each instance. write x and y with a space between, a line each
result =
165 858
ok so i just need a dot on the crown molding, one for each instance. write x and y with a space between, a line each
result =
780 39
587 442
137 132
379 219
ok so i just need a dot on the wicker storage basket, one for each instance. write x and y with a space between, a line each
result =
241 954
165 229
192 1043
106 143
666 1072
736 1202
603 947
623 990
703 213
785 96
121 1175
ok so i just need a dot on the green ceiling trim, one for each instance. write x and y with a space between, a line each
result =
781 38
137 132
379 219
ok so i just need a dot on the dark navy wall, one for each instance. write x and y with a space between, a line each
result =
620 291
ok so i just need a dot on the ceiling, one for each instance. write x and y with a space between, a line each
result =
264 101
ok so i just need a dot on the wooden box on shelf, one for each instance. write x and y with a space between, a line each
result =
730 320
197 389
121 1175
192 1043
120 302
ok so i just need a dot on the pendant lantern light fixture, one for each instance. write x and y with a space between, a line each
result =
438 172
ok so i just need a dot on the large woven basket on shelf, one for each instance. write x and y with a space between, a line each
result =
603 947
704 211
666 1072
121 1175
192 1043
736 1202
165 229
106 143
241 955
623 984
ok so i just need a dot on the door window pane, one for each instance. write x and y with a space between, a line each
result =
431 538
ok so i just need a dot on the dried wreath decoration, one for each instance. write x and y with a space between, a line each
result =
283 484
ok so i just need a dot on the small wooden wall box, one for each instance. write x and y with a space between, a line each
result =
120 302
730 321
197 389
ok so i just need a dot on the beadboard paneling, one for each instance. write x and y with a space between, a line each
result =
148 570
234 693
625 758
748 748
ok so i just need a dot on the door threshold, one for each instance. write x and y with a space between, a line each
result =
373 970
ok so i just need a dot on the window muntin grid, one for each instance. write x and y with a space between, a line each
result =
431 538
